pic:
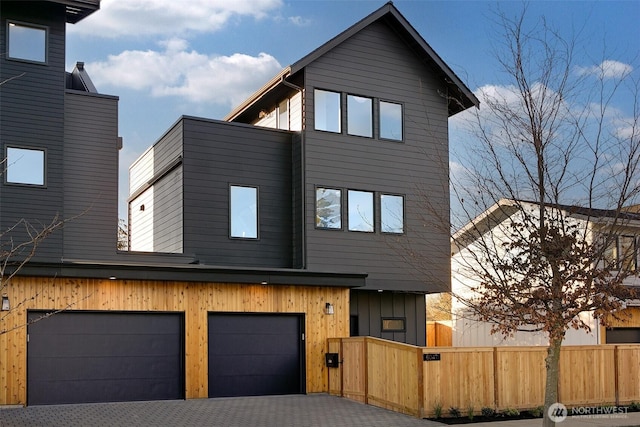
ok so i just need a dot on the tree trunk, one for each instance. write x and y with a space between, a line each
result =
552 363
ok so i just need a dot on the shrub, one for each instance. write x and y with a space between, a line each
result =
634 406
538 412
437 409
470 412
487 412
454 412
511 412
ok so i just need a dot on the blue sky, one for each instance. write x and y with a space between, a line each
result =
167 58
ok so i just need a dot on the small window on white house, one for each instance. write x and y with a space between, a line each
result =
283 115
27 42
360 211
25 166
327 110
392 213
359 116
627 253
243 212
390 121
328 208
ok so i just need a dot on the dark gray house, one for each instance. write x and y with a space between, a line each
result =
325 168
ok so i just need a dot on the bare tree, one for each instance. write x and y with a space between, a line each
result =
547 142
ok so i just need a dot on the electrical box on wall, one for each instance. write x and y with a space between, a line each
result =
331 359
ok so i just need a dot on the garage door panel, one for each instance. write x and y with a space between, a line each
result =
255 354
78 357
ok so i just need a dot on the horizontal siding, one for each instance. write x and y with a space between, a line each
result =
295 112
91 176
377 64
217 154
167 215
141 171
141 230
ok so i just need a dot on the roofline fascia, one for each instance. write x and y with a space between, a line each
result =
255 97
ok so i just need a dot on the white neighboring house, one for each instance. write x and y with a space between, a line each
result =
491 224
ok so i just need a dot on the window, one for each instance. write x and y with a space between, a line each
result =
394 324
244 212
27 42
328 208
627 246
359 116
392 213
327 110
25 166
360 211
283 115
390 121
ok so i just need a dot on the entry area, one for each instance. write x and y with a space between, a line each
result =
82 357
256 354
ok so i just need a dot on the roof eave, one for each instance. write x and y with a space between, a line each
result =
257 95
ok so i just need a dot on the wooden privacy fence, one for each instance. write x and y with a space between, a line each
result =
415 380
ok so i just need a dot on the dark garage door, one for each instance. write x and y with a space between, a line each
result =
81 357
255 354
623 336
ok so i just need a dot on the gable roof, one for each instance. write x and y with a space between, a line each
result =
505 208
462 96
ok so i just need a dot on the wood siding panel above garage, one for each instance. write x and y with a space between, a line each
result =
195 300
377 63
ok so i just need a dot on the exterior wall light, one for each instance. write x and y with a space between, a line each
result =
5 303
328 308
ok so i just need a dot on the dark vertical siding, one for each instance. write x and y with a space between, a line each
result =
376 63
218 154
32 115
91 175
372 306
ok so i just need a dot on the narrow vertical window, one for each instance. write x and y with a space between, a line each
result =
359 116
627 253
283 115
327 110
392 213
25 166
390 121
243 212
27 42
361 211
328 208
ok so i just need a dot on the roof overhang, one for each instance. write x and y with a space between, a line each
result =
77 10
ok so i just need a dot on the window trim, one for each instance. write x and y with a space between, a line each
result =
372 116
315 111
32 26
315 208
379 116
373 211
404 215
231 236
7 165
404 324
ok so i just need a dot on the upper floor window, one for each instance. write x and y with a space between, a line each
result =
328 208
283 115
27 42
327 110
25 166
243 212
359 116
360 211
391 213
622 252
390 120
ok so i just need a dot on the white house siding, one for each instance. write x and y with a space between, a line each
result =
141 222
141 171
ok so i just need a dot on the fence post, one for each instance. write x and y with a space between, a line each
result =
616 372
495 379
420 373
365 362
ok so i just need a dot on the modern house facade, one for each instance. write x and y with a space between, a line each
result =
253 239
493 226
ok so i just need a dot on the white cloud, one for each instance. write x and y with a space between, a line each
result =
169 17
179 72
299 21
607 69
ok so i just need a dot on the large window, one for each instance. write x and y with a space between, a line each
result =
243 212
621 252
359 116
327 110
392 213
360 211
27 42
25 166
390 121
328 208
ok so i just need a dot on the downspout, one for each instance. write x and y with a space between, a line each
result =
303 224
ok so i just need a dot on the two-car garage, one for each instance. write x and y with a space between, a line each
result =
81 357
